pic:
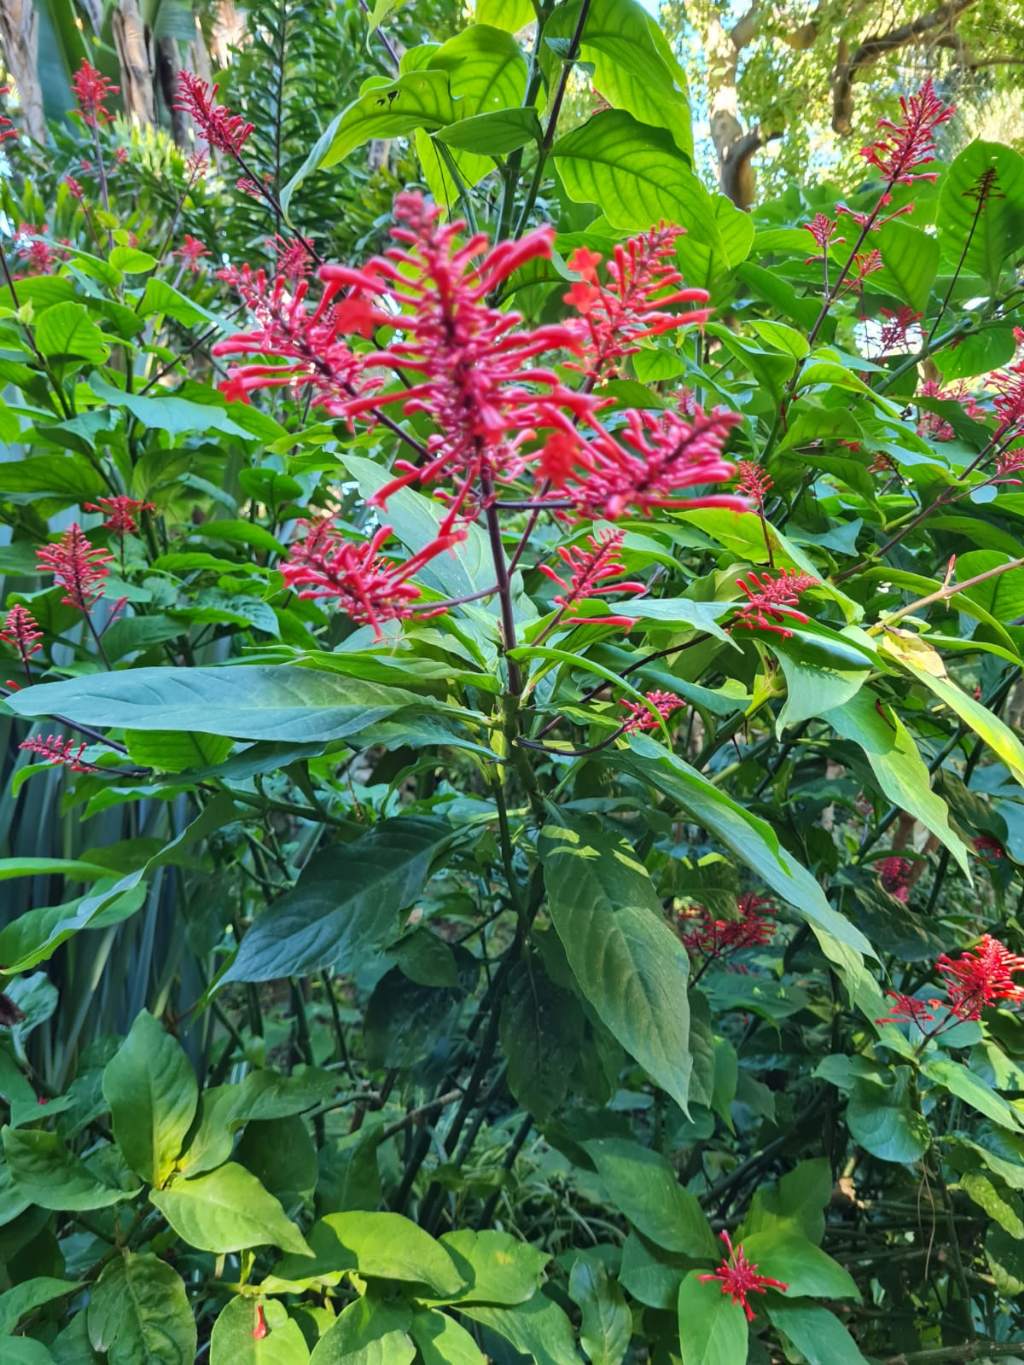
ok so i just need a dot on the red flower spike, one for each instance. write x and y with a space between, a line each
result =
221 129
1008 464
980 977
1009 400
473 366
893 873
932 424
92 89
7 128
874 223
657 456
740 1277
121 512
362 583
822 228
77 566
909 143
260 1329
753 482
293 260
21 631
60 751
640 718
40 258
701 933
772 601
589 572
74 188
191 252
643 283
908 1009
894 329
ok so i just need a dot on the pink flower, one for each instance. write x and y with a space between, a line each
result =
894 873
640 717
979 977
121 512
222 129
77 566
589 572
822 228
894 329
21 631
989 848
908 1009
1009 400
652 461
933 424
361 582
909 143
293 259
92 89
191 252
643 284
60 751
753 482
700 932
772 601
40 258
739 1277
73 187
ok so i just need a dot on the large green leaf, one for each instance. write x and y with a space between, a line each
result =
607 1323
505 1270
816 1333
71 476
345 905
712 1327
443 1341
974 1091
263 702
897 764
753 841
419 99
706 258
804 1268
139 1314
48 1174
911 259
382 1246
152 1092
628 964
636 174
30 1294
538 1329
541 1032
227 1210
66 331
644 1186
995 227
235 1341
883 1121
168 412
368 1332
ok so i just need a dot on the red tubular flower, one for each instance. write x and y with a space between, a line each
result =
74 188
701 932
589 572
932 423
40 258
260 1329
21 631
1009 399
893 873
874 222
865 263
222 129
7 128
822 228
78 567
92 89
753 482
771 601
1008 464
190 252
60 751
640 718
362 583
908 1009
909 143
739 1277
894 329
980 977
293 259
474 365
653 459
643 283
121 512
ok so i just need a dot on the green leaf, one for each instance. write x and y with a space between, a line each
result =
753 841
1002 596
131 261
176 416
505 1271
538 1329
796 1203
53 1177
712 1327
705 259
71 476
492 134
368 1332
627 963
233 1341
810 686
24 1351
152 1092
816 1333
139 1314
882 1120
442 1341
911 260
959 1081
176 751
380 1246
419 99
262 702
72 869
227 1210
607 1323
901 772
995 226
346 903
281 1154
541 1033
643 1185
30 1294
162 298
800 1265
66 330
637 175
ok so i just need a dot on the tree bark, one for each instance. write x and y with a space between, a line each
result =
19 32
135 56
734 144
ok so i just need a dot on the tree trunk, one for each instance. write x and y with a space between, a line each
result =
19 32
134 53
734 144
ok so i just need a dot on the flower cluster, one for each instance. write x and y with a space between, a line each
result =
590 571
362 583
772 601
739 1277
894 876
643 284
701 932
191 252
754 482
222 129
60 751
641 718
980 977
79 567
92 90
39 256
909 143
7 128
822 228
121 512
21 631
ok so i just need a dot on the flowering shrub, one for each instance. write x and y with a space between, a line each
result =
513 776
